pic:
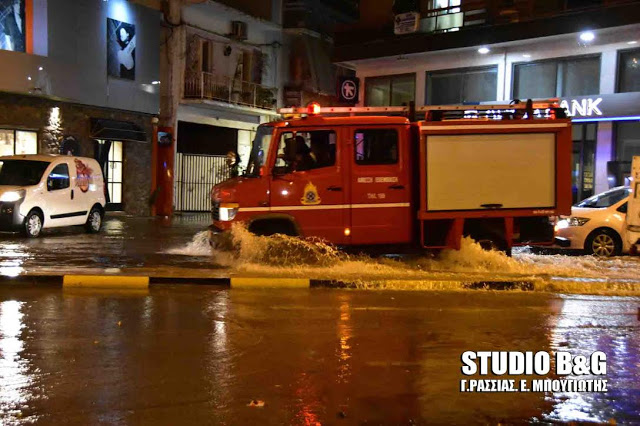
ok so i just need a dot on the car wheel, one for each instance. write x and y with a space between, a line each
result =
94 221
603 243
32 224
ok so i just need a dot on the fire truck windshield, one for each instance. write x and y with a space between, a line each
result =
259 150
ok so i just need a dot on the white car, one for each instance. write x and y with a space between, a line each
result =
48 191
596 224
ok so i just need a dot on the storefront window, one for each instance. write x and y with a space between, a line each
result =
629 71
628 140
557 78
584 149
26 142
462 86
394 90
18 142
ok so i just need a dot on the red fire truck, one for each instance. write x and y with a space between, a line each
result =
497 173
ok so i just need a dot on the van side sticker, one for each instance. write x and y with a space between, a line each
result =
83 175
310 195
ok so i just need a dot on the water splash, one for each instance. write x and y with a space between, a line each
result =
285 256
199 246
277 250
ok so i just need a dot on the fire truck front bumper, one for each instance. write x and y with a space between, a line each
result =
215 234
219 238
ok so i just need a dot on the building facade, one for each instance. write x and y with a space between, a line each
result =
221 80
585 54
81 78
235 62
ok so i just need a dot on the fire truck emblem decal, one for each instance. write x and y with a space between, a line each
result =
310 195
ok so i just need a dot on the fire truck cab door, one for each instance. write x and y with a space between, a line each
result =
381 192
308 182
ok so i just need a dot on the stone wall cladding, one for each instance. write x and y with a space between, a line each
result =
34 113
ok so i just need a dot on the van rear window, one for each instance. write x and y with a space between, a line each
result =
21 172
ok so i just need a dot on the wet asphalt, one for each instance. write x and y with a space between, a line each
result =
201 355
124 242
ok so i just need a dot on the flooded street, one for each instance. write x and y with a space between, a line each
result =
208 355
124 242
197 355
180 248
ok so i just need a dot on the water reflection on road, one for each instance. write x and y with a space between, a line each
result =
611 325
194 355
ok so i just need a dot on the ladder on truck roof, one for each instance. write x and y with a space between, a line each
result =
541 109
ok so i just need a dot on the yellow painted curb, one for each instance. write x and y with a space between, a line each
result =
105 281
251 282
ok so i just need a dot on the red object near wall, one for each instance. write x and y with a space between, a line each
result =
164 171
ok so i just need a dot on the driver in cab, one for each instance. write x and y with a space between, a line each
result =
297 155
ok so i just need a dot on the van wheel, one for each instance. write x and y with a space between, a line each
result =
32 224
94 221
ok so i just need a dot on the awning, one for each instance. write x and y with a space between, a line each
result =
116 130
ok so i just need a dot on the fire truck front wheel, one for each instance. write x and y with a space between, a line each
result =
269 227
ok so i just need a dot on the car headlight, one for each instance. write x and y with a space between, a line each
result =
561 224
577 221
228 211
11 196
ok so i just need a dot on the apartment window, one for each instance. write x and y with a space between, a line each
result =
557 78
629 71
442 16
18 142
462 86
393 90
627 140
206 55
442 4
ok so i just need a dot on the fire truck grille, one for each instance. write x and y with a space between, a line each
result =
215 211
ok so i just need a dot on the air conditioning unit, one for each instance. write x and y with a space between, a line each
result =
238 30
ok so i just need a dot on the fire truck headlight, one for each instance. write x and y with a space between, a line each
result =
228 211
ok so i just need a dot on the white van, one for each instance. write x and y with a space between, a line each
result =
48 191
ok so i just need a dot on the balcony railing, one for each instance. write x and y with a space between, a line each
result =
222 88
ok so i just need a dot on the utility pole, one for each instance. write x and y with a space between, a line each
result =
172 55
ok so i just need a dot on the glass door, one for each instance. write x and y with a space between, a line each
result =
114 176
583 159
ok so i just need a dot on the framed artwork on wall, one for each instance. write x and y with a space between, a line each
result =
121 49
12 25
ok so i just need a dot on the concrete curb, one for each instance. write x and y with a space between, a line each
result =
144 282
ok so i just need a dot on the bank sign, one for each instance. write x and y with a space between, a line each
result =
618 105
